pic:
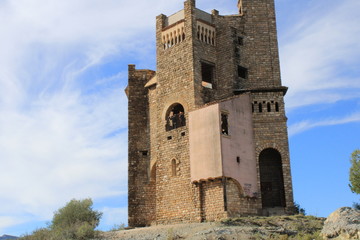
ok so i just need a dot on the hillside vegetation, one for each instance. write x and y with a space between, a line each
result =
252 228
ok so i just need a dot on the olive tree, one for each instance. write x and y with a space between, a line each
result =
75 221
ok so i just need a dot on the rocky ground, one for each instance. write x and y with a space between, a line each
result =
246 228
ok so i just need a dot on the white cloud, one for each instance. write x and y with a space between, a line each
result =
306 125
63 117
320 55
8 222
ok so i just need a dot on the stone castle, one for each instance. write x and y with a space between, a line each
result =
207 131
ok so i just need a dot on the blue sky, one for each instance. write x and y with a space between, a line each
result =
63 111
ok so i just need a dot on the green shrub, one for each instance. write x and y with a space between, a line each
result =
39 234
75 212
298 209
76 221
356 206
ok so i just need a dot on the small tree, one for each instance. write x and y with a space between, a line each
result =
76 221
355 172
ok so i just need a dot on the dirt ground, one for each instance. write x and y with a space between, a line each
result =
246 228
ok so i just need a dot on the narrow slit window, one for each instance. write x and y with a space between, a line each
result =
276 106
260 107
240 41
268 107
224 124
242 72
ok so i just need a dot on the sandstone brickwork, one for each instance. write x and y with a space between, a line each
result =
204 59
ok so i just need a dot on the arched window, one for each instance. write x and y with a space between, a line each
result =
268 107
175 117
271 179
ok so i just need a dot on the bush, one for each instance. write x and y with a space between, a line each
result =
76 221
39 234
76 211
298 209
356 206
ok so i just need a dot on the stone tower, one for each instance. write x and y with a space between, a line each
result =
207 131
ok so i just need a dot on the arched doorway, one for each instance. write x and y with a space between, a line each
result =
271 179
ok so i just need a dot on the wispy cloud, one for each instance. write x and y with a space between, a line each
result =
320 55
63 112
307 125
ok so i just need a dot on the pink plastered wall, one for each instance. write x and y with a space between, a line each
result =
239 144
205 146
214 155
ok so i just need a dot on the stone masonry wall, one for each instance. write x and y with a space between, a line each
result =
177 199
156 194
270 131
237 204
212 200
141 192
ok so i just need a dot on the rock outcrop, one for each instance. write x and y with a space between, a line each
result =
342 224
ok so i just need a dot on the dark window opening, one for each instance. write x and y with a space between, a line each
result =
144 153
169 137
224 124
252 107
175 117
183 36
207 75
240 41
238 159
183 134
276 106
260 107
268 107
242 72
